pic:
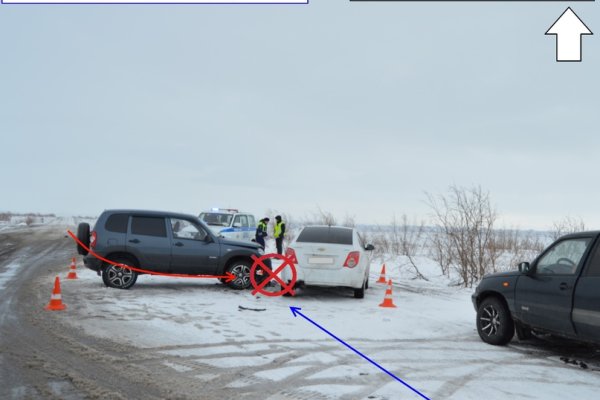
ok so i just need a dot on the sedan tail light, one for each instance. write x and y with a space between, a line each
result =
93 239
291 254
352 259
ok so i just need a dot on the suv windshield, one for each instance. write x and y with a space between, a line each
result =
216 219
325 234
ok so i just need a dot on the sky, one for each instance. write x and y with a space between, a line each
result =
359 109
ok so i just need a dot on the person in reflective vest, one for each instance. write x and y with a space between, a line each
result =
261 231
278 233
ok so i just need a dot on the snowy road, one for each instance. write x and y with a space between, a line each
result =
178 338
40 358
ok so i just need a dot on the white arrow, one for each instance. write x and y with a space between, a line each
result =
568 29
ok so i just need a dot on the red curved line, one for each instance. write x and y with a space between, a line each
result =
143 271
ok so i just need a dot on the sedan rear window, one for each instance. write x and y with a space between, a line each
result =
326 234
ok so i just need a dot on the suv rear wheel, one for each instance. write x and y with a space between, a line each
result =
241 270
119 277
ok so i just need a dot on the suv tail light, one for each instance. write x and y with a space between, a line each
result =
352 259
291 254
93 239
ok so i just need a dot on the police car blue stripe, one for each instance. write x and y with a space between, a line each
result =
245 229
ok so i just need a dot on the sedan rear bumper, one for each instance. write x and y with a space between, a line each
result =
330 277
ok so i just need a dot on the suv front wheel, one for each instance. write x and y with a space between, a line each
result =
494 323
241 270
119 277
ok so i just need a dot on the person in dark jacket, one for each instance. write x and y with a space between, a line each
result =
261 231
278 233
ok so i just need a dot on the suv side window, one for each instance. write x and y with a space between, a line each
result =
251 221
184 229
117 223
564 257
149 226
593 268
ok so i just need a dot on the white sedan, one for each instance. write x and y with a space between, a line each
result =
330 256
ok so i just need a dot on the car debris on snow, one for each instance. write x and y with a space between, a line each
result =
242 308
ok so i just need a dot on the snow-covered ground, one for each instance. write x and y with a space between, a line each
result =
429 340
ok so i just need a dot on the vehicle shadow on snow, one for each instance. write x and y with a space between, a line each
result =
322 293
582 355
178 285
307 293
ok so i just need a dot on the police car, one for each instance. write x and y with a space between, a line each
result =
230 223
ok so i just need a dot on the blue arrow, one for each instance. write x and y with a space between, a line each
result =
296 312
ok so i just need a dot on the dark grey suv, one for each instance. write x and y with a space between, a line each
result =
162 242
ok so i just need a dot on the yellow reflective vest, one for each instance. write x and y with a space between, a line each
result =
277 231
262 228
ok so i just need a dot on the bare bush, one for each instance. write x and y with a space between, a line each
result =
373 237
382 242
321 217
399 239
406 241
465 219
439 244
514 246
349 221
566 225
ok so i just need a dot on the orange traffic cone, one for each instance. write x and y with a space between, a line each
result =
56 303
387 299
382 276
73 270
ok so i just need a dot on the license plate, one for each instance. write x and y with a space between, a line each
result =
320 260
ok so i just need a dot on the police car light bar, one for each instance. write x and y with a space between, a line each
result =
233 210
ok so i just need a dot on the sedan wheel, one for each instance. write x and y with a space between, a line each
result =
360 293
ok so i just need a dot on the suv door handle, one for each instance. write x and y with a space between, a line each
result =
134 240
178 244
563 286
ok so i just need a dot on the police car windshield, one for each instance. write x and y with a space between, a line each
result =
216 219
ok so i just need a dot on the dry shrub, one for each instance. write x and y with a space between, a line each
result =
565 226
465 221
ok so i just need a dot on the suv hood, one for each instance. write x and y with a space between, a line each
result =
239 243
502 274
216 229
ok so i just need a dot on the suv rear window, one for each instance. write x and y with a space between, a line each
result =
149 226
117 223
325 234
